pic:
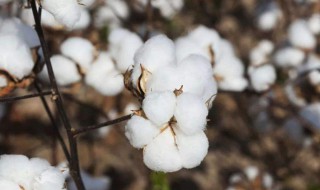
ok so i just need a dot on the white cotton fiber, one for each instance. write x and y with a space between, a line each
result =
300 35
15 56
191 113
289 57
66 12
186 47
313 62
157 52
259 54
7 184
162 153
252 172
80 50
314 77
262 77
50 179
83 21
159 106
3 81
269 18
87 3
140 131
314 23
192 149
64 69
209 92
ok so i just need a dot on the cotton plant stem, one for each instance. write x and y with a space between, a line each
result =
53 122
100 125
74 159
16 98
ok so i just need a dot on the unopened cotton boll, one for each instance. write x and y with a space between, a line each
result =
314 23
262 77
66 12
140 131
190 113
192 149
123 45
300 35
80 50
289 57
314 77
159 106
162 153
157 52
103 76
64 69
15 56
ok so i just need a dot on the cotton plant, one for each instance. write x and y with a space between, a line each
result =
175 98
167 8
111 14
228 69
269 17
29 174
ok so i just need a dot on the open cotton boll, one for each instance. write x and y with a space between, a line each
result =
162 153
159 106
65 12
259 54
15 56
47 19
210 91
233 84
262 77
191 113
192 149
168 8
80 50
64 69
269 18
165 79
313 62
50 179
123 45
39 165
140 131
14 26
252 172
83 21
7 184
300 35
289 57
3 81
157 52
314 77
314 23
226 48
186 47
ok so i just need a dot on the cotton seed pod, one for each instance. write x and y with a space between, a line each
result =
192 148
262 77
140 131
190 113
159 107
162 153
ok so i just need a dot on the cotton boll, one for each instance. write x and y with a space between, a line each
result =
259 54
252 172
119 7
289 57
51 179
140 131
300 35
314 23
83 21
80 50
168 8
226 48
159 106
165 79
269 18
65 12
262 77
87 3
314 77
157 52
210 91
192 149
267 181
266 46
39 165
64 69
3 81
191 113
313 62
112 84
7 184
15 56
25 32
162 153
186 47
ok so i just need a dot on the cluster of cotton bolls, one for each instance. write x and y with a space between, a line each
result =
175 97
251 177
17 172
228 69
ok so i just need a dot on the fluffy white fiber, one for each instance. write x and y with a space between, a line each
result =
289 57
262 77
269 18
314 77
80 50
83 21
314 23
65 70
15 56
259 54
65 12
300 35
3 81
159 106
29 174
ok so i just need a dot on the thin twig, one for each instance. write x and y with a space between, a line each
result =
74 159
16 98
100 125
53 122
